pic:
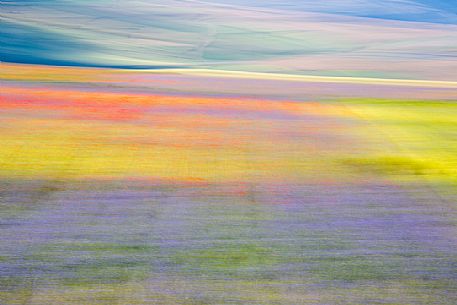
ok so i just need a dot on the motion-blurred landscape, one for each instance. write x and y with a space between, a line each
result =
228 152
